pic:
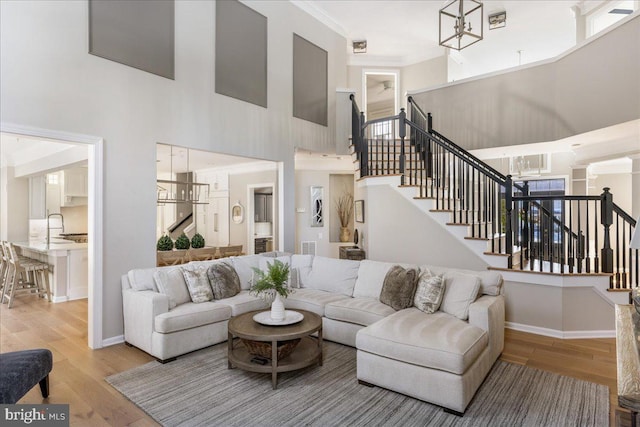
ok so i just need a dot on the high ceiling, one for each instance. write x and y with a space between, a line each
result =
399 33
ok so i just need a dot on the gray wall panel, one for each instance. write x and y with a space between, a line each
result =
138 33
309 81
241 53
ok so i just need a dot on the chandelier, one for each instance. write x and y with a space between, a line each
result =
463 17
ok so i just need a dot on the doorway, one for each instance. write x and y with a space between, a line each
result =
261 227
381 93
94 186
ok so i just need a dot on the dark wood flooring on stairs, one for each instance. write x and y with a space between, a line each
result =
78 372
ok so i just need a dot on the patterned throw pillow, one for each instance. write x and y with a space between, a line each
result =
399 287
197 283
224 280
429 292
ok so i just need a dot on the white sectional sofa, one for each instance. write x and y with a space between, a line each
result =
440 358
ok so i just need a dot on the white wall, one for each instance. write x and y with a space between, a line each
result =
403 233
14 192
321 235
620 185
557 309
594 86
49 81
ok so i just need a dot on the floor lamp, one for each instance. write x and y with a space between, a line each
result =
635 244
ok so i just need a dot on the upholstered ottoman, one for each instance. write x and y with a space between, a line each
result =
20 371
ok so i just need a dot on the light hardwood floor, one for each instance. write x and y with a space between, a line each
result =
78 373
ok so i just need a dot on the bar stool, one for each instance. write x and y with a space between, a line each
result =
26 275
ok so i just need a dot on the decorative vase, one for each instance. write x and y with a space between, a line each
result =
277 308
345 234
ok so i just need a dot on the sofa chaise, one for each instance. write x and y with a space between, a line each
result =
441 358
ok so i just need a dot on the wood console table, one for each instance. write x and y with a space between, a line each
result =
628 359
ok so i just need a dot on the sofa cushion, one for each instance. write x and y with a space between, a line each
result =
224 280
361 311
436 341
429 292
490 281
170 282
141 279
244 302
191 315
460 290
244 268
333 275
195 277
371 276
399 287
265 262
301 267
311 300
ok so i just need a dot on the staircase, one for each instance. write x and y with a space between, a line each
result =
492 215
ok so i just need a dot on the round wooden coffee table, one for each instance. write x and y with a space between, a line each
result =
307 352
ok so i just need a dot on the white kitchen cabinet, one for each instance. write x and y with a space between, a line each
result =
53 198
74 187
37 197
212 221
75 182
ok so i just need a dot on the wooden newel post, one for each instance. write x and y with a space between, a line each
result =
606 219
508 204
402 133
364 160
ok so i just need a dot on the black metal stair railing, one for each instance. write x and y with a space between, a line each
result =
557 234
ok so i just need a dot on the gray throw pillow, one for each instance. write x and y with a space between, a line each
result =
197 282
224 280
399 287
429 292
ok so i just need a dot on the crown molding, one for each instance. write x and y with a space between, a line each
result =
320 15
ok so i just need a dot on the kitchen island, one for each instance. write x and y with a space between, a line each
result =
68 266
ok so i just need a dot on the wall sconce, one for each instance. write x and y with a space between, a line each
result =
360 46
497 20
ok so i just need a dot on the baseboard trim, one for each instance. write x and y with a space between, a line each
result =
113 341
56 299
554 333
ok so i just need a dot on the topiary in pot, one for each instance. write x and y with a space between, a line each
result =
164 243
182 242
197 241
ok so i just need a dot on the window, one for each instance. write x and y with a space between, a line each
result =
607 15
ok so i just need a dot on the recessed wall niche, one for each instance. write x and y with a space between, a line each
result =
136 33
241 53
309 81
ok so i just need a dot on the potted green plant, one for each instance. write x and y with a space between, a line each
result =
164 243
274 283
197 241
182 242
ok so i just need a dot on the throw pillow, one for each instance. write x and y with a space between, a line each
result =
429 292
224 280
170 282
195 276
399 287
460 290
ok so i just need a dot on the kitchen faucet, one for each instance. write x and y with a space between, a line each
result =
49 225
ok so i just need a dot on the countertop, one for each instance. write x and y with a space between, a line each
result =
55 245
